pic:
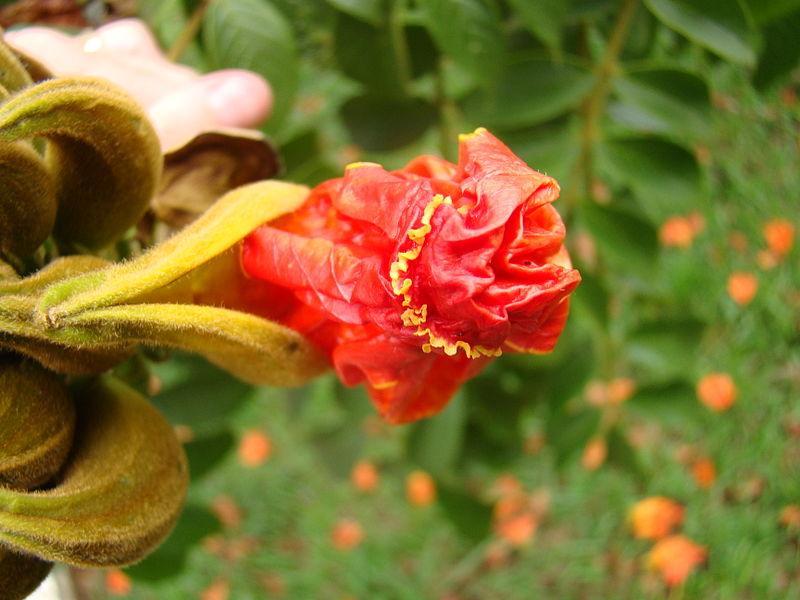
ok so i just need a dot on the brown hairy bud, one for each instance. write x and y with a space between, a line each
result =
37 421
103 154
118 495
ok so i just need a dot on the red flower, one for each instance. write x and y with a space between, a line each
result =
412 280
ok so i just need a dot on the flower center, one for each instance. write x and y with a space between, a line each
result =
414 316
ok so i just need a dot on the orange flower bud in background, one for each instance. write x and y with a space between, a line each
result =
620 389
255 448
420 488
717 391
779 235
219 590
704 472
790 517
594 454
118 583
227 511
411 281
742 287
676 232
364 476
675 558
347 534
655 517
518 529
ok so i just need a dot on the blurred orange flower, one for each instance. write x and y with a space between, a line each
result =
518 529
779 234
594 454
364 476
420 488
219 590
655 517
676 232
227 511
620 389
717 391
675 558
790 517
118 583
704 472
347 534
679 231
742 287
255 448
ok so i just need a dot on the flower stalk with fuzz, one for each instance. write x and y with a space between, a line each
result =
411 281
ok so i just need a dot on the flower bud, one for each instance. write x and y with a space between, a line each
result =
37 421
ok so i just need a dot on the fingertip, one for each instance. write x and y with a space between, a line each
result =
238 98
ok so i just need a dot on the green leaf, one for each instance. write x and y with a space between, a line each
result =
169 560
622 455
674 402
469 32
627 241
254 35
722 26
665 349
471 517
197 394
666 101
529 92
366 54
544 18
567 432
205 453
769 11
376 123
435 443
339 449
591 298
781 52
371 11
552 148
665 177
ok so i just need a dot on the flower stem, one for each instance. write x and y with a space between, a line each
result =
399 43
595 104
189 31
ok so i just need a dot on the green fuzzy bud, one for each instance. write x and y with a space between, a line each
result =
27 200
37 421
103 154
119 493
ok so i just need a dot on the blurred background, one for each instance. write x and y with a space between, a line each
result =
656 452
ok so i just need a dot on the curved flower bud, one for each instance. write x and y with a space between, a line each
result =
412 280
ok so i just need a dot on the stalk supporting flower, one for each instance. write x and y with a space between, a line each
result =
412 280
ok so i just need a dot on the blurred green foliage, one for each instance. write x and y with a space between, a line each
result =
643 111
